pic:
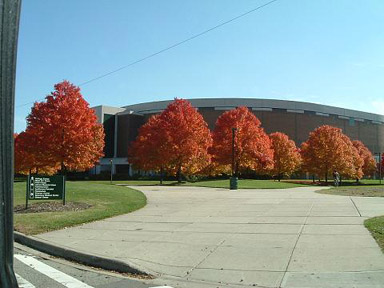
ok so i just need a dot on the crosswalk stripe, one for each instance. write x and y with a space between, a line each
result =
23 283
52 273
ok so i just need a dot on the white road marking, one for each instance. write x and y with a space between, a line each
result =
161 287
52 273
23 283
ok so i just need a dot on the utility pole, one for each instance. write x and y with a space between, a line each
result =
9 28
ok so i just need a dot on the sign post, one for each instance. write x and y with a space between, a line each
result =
64 199
45 188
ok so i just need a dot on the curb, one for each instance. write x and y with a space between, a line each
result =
83 258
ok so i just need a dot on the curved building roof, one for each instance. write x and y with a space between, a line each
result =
258 105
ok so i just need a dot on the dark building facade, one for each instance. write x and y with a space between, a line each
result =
296 119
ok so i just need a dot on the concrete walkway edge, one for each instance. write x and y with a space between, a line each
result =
83 258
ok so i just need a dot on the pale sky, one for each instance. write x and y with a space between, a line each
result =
323 51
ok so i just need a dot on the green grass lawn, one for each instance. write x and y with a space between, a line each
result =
242 184
106 200
365 191
361 182
376 227
346 182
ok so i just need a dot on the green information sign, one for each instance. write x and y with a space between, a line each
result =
46 187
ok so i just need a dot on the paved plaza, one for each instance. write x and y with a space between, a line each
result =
206 237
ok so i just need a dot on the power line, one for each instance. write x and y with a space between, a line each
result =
177 44
170 47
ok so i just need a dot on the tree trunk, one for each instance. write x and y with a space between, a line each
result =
326 178
179 174
161 175
63 169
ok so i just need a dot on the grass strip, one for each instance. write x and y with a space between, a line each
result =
363 191
375 225
105 200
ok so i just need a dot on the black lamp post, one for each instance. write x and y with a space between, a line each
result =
379 154
233 180
233 150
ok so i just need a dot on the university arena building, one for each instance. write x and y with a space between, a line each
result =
296 119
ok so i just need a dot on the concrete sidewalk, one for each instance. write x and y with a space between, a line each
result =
204 237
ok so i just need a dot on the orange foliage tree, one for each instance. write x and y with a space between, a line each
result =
149 151
328 149
252 145
369 165
286 156
177 140
65 131
356 169
28 157
22 160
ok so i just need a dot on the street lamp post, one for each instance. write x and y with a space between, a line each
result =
9 15
380 168
233 150
233 180
111 161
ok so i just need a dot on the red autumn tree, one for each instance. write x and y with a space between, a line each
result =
328 149
23 161
380 164
369 166
29 158
286 156
148 151
252 145
356 169
177 140
65 131
19 166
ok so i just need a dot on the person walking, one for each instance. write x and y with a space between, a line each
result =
336 178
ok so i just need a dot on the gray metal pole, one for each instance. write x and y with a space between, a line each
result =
9 26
